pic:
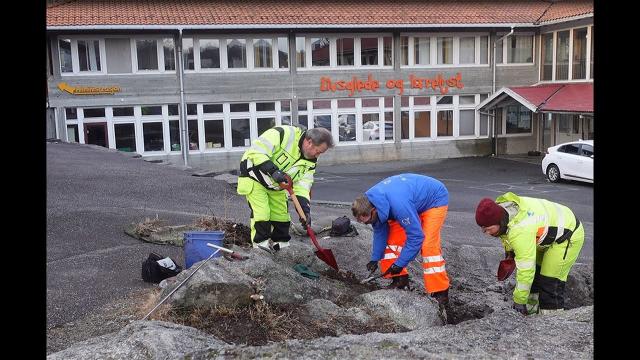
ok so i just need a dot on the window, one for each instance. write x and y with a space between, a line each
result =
484 125
241 107
125 135
421 51
520 49
236 53
283 52
168 50
187 54
80 56
467 122
592 52
499 56
192 109
262 53
300 52
153 138
422 121
467 100
194 142
564 123
211 108
320 52
214 134
570 149
345 49
576 124
579 65
174 135
404 125
387 48
151 110
209 53
265 124
404 50
547 57
266 106
346 127
322 121
147 54
484 49
240 132
467 50
370 127
72 133
388 125
71 113
89 55
562 55
94 113
64 45
445 123
123 111
445 100
173 110
587 150
369 51
445 50
518 119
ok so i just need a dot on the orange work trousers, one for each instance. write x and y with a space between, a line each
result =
434 273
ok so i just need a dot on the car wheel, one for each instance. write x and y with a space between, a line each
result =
553 173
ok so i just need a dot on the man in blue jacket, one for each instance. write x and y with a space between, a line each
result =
407 212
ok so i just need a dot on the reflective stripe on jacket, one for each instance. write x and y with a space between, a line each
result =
282 145
538 223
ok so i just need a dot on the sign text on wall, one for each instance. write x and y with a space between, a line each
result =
88 90
439 83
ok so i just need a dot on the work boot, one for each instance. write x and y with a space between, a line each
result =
441 296
399 282
279 245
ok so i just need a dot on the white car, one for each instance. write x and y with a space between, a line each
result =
572 161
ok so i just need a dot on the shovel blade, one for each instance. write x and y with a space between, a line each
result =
327 256
506 268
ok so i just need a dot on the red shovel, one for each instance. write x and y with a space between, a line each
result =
323 254
506 268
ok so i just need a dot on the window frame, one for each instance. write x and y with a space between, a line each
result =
333 52
505 49
75 59
588 73
159 39
433 49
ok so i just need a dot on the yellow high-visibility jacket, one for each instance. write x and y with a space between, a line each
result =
533 224
283 146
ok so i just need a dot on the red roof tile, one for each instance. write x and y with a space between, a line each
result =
306 12
559 97
567 9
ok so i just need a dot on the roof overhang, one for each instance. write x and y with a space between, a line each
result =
500 95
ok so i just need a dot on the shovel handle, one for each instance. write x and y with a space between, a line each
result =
289 187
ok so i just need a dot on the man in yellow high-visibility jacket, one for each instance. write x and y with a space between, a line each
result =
278 151
544 237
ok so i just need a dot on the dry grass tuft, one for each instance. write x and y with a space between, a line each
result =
234 233
148 226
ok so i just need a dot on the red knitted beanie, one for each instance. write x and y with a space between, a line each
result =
489 213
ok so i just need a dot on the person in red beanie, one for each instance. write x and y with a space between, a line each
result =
544 237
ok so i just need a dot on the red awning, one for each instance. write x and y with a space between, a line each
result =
558 97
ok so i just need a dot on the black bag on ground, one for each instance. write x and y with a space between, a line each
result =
154 271
342 227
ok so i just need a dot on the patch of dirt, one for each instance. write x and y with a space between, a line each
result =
234 233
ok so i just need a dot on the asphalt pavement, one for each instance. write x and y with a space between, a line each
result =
93 193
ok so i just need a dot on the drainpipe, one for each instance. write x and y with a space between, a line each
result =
494 140
494 59
184 135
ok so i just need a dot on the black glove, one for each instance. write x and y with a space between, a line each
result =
306 209
521 308
279 176
394 269
372 266
509 254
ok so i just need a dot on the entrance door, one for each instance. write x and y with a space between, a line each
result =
546 133
95 134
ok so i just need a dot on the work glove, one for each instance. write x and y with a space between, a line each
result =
509 254
279 177
372 266
306 209
521 308
394 269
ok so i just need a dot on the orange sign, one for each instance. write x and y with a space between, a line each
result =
88 90
357 85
